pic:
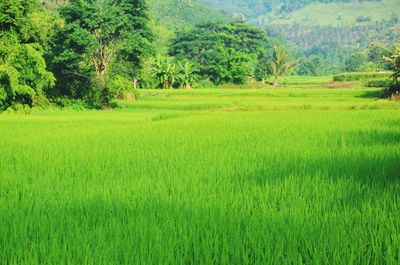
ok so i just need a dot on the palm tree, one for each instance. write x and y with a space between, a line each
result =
395 61
279 64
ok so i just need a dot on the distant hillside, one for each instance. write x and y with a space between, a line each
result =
338 14
332 27
251 9
329 29
175 14
171 15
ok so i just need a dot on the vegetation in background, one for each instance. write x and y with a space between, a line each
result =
279 64
99 36
253 9
99 50
361 76
330 31
170 16
394 89
222 53
165 70
24 77
394 60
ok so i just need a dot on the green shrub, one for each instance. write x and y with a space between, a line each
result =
8 82
18 108
120 86
75 104
357 76
378 83
24 78
393 91
205 83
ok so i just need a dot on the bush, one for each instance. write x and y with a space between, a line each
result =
40 101
357 76
120 86
205 83
379 83
19 108
64 102
24 78
393 91
8 84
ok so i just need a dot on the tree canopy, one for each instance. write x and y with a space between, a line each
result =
222 52
96 36
23 72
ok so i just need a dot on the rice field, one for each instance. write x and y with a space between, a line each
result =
213 176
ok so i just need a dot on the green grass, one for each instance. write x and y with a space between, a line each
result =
341 14
286 176
306 80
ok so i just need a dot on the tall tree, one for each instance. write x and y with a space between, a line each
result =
97 34
221 52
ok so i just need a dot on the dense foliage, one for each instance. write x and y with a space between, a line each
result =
223 53
23 73
323 32
393 90
333 32
99 39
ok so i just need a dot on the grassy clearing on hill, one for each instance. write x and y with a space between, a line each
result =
341 14
285 176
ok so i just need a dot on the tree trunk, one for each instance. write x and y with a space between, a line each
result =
104 95
275 82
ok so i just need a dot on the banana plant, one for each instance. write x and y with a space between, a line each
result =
164 69
187 74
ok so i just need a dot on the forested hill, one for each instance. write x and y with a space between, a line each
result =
181 13
328 31
168 16
251 9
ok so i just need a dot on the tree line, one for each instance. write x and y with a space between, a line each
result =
96 50
99 50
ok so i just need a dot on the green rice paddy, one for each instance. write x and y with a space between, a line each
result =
234 176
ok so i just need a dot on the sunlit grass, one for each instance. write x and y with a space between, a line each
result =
205 177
